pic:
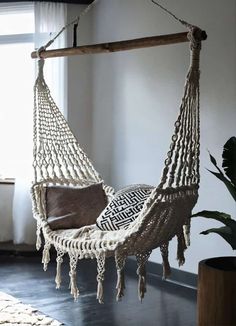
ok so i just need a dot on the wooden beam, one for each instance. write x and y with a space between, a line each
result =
117 46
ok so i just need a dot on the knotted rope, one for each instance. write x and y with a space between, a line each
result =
75 21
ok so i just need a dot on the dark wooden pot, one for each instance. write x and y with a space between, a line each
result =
216 297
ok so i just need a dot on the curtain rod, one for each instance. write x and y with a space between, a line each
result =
117 46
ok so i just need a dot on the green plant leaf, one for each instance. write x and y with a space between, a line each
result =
228 184
215 215
220 217
226 233
229 159
213 161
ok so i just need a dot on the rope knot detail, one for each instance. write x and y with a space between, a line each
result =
195 36
40 68
39 51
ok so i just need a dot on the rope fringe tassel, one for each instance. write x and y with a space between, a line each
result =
73 284
46 255
142 259
100 276
165 261
58 273
120 285
181 247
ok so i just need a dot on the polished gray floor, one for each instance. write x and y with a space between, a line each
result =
165 304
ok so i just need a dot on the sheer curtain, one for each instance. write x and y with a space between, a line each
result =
49 19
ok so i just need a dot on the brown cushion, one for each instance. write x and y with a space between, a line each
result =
70 207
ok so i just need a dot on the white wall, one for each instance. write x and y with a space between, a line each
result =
136 96
79 82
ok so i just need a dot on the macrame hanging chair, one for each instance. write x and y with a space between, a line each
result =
59 160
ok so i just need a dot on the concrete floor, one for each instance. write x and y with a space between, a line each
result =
165 304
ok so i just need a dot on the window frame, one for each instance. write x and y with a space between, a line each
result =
16 38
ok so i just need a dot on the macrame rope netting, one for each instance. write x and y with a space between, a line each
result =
57 154
59 159
182 162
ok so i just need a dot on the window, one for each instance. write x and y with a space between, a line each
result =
22 26
16 85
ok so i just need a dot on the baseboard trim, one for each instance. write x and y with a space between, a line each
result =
178 276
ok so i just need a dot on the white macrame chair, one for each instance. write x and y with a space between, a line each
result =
59 160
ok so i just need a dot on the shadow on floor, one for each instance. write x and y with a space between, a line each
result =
165 304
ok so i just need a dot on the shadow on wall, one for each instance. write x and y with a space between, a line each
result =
136 94
135 105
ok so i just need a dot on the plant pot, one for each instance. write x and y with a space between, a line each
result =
216 299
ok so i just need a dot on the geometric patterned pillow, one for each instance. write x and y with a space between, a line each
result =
124 208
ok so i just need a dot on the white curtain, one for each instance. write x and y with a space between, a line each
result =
49 19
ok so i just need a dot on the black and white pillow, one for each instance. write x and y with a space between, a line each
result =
124 208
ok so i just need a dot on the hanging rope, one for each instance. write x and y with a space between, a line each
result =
183 22
195 33
75 21
195 36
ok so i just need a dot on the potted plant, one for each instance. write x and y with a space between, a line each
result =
217 276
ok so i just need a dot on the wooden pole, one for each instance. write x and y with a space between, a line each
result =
117 46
